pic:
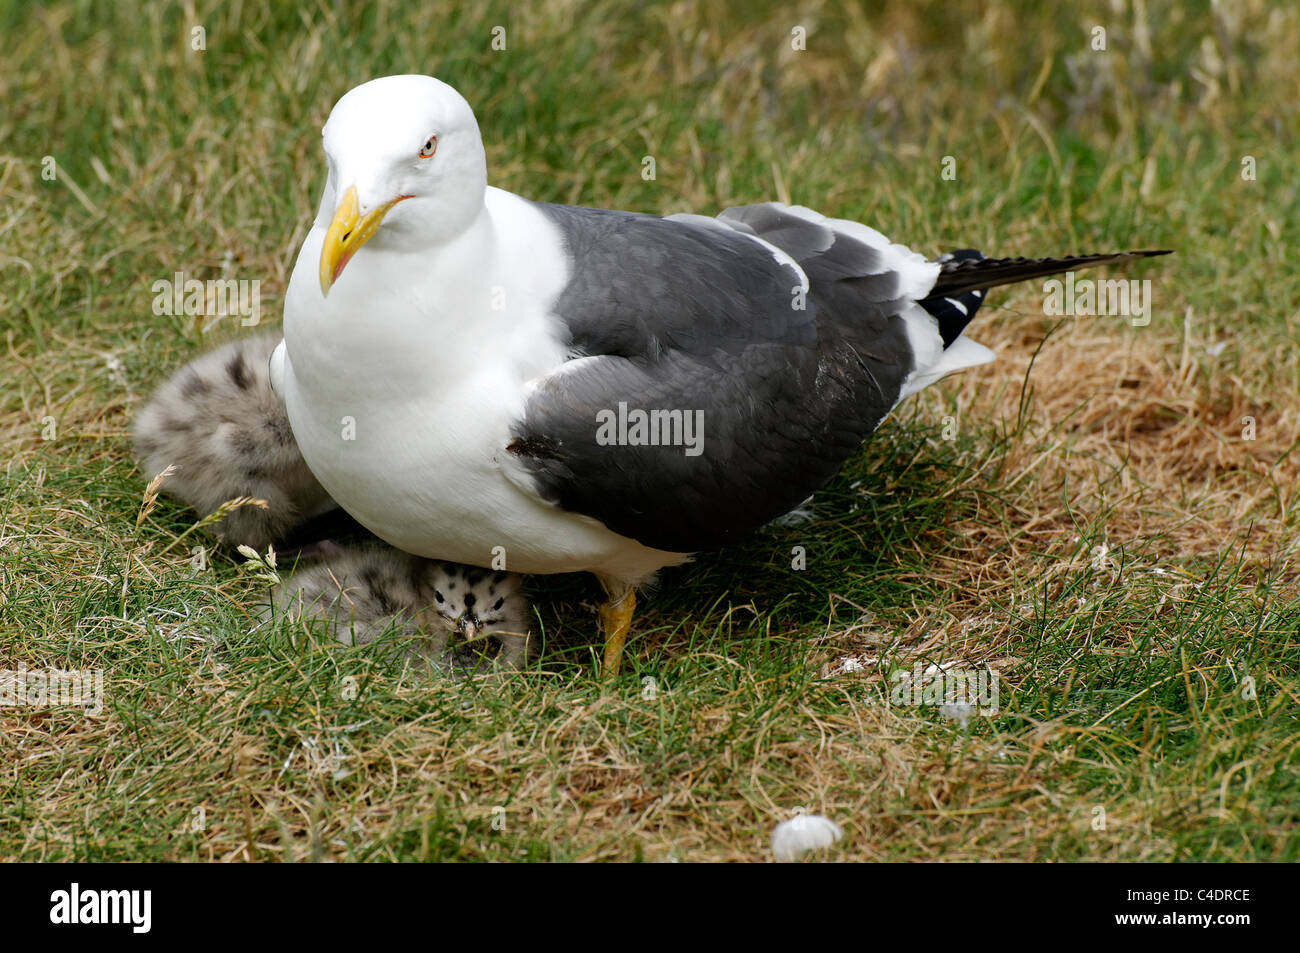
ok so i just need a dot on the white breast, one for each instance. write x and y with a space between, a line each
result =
402 387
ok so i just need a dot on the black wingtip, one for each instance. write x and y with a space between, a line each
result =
955 311
968 274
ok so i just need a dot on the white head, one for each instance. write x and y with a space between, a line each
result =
404 152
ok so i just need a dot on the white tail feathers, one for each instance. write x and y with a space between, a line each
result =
959 355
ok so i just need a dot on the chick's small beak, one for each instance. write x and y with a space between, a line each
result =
468 628
348 232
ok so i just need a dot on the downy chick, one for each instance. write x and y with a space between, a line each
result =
220 423
453 617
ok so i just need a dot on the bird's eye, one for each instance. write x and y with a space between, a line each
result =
438 595
429 148
499 603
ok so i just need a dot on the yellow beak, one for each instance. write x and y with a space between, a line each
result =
347 233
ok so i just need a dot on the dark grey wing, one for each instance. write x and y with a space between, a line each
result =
668 316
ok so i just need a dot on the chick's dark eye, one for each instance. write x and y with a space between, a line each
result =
499 603
438 595
429 148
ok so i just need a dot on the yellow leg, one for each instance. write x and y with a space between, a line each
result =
615 621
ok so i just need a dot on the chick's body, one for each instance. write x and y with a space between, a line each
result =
450 618
220 424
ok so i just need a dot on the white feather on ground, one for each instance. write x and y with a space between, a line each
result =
793 838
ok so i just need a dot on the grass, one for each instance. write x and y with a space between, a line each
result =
1086 517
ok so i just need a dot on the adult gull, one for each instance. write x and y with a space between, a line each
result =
484 379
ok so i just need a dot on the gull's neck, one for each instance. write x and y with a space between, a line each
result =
420 315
